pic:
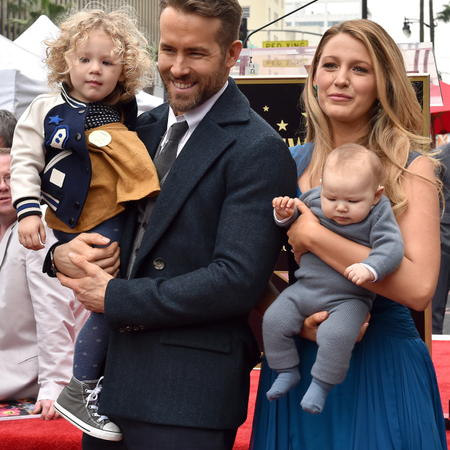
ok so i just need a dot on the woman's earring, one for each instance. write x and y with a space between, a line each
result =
379 107
316 93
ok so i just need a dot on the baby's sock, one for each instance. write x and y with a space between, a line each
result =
286 380
314 399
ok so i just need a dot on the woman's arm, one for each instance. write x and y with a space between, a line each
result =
414 282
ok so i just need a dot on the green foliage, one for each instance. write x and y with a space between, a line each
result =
444 15
32 10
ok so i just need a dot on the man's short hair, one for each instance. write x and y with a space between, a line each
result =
229 13
7 125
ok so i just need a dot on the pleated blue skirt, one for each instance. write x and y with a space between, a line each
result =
389 399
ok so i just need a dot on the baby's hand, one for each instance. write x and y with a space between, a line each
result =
358 274
32 233
284 207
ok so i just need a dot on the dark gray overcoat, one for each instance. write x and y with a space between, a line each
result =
181 348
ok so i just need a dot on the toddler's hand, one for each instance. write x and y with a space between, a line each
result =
284 207
32 232
358 274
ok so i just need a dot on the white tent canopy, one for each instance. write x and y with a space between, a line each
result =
22 77
32 39
23 74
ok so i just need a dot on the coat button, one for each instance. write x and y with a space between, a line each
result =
81 111
87 170
78 136
71 221
77 205
159 264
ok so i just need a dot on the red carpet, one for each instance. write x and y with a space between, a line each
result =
35 434
441 360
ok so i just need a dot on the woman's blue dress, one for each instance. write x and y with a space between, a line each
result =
389 399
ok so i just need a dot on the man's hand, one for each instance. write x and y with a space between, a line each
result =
32 233
106 258
311 324
45 409
91 288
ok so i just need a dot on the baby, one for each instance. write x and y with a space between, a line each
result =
349 202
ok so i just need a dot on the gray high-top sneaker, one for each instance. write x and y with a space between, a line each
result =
78 403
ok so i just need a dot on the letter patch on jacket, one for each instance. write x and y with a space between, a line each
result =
57 178
59 137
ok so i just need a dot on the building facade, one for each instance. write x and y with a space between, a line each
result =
259 13
303 28
147 13
311 22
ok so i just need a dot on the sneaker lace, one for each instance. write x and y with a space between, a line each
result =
93 398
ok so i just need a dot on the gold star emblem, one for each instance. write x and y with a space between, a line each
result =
282 126
266 109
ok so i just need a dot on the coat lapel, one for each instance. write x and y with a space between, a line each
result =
207 143
193 162
152 132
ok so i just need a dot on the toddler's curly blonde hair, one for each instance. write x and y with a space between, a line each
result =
132 49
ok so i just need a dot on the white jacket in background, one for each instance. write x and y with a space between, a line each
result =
39 320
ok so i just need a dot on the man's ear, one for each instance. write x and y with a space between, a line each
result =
233 52
378 195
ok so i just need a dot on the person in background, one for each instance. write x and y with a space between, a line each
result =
39 318
7 126
198 257
358 91
440 296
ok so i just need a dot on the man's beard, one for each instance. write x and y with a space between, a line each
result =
179 102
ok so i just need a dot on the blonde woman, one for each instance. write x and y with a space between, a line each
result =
358 91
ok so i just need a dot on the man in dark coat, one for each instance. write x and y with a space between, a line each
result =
181 349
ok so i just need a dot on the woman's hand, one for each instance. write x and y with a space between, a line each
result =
107 258
302 230
311 325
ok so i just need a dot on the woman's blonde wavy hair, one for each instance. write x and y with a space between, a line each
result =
132 49
396 125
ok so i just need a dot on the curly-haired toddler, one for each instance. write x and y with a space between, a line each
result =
75 150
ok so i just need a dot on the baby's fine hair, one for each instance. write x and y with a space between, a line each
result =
132 49
356 158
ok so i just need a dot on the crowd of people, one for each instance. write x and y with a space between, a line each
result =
161 228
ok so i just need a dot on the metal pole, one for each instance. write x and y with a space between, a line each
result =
421 21
364 9
431 23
